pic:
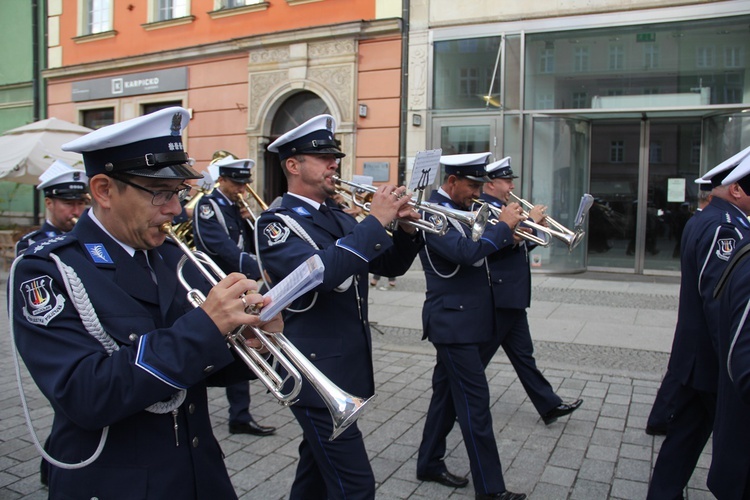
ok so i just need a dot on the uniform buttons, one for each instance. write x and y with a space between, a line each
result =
208 369
133 337
313 355
195 442
378 246
191 408
461 307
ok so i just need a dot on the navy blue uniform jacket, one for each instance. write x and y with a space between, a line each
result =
729 476
708 241
47 230
333 331
165 345
229 244
509 270
459 307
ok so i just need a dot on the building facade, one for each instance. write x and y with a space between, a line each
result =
22 51
247 70
628 101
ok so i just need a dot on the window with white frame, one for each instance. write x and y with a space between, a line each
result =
231 4
97 16
734 57
616 151
547 60
468 82
651 56
171 9
580 100
705 56
581 59
616 57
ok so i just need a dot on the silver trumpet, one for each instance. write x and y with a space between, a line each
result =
572 238
344 408
542 241
437 223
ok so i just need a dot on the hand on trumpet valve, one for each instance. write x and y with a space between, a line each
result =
512 214
230 303
389 202
538 214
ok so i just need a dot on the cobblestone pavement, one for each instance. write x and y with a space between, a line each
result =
599 452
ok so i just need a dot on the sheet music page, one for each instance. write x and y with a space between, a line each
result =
426 168
307 276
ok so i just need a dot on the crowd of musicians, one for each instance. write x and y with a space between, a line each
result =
101 316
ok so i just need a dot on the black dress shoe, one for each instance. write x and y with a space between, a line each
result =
560 411
505 495
251 427
656 430
446 479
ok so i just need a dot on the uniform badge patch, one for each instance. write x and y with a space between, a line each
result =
99 253
206 212
40 303
302 211
725 247
276 233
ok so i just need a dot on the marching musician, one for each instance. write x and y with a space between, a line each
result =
458 318
329 325
65 199
729 474
223 230
511 290
708 243
124 362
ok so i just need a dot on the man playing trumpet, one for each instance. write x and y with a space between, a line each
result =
124 362
458 319
221 230
511 290
329 324
65 199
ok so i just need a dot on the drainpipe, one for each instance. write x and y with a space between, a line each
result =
404 90
35 87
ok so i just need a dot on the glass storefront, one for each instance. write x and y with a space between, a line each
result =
658 65
661 104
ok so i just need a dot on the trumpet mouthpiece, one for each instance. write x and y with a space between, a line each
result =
166 228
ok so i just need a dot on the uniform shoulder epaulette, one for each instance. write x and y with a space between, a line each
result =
30 235
276 210
43 248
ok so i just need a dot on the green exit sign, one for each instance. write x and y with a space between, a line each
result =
645 37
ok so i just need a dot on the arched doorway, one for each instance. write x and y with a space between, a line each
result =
294 111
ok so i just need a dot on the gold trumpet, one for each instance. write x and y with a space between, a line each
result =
242 203
439 215
344 408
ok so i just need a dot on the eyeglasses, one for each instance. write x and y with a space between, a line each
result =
161 197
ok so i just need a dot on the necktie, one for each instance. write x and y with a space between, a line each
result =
328 213
142 260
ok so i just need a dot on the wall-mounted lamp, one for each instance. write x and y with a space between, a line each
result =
416 120
363 110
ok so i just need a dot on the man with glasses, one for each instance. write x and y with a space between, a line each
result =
65 199
223 230
125 363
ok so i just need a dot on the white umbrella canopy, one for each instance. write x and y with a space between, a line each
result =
26 152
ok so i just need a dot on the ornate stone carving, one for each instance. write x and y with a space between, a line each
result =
332 48
339 80
260 85
269 55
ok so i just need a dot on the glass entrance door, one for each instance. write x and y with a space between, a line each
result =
642 178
